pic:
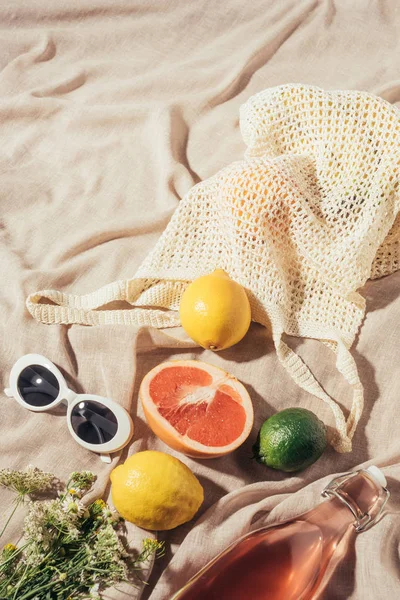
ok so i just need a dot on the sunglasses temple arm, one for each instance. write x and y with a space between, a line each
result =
47 391
99 432
105 458
47 387
97 421
8 393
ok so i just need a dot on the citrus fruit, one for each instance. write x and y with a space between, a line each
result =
155 491
196 408
215 311
290 440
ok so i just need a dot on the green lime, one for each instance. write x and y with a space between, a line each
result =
290 440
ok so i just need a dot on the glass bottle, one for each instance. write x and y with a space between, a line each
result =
293 560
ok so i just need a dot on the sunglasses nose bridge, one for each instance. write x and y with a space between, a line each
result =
70 396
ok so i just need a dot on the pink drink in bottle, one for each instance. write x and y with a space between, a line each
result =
294 559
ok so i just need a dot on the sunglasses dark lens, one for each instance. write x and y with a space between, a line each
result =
38 386
93 422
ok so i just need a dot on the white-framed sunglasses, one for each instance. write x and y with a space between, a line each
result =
96 423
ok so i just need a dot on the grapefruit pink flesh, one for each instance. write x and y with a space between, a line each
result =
212 415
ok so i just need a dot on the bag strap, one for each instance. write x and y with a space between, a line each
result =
341 437
51 306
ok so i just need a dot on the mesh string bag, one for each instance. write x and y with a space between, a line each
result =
302 222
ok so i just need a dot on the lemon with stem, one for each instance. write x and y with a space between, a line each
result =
215 311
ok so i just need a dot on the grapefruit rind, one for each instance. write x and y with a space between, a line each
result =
183 443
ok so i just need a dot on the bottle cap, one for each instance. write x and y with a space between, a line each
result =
377 475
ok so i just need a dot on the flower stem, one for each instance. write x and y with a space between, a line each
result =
10 517
36 590
21 581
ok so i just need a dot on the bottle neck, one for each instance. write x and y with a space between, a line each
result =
333 517
357 499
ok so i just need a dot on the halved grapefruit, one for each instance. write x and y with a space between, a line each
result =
196 408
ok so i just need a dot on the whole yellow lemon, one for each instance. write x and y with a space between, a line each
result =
215 311
155 491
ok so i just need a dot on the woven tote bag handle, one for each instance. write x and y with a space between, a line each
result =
51 306
301 374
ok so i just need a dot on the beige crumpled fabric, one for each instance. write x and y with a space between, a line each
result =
302 222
